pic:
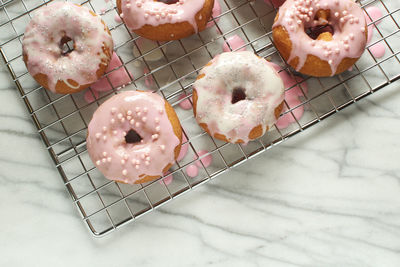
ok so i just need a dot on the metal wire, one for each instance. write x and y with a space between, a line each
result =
61 120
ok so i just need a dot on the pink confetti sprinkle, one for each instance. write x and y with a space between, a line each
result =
90 96
192 170
185 104
216 11
184 148
207 160
168 179
117 78
233 43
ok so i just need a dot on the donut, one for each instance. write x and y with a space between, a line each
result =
237 97
49 30
134 137
165 20
321 37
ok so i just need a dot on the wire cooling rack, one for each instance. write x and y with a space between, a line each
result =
170 68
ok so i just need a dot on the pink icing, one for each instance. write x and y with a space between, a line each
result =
291 97
144 113
117 77
206 158
184 148
90 96
192 170
216 11
274 3
378 50
185 104
148 79
42 44
167 179
117 18
230 72
137 13
347 20
233 43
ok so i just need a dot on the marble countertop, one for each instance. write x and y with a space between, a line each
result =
329 196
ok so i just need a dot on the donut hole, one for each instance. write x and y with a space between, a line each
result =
320 31
238 94
132 137
168 2
66 45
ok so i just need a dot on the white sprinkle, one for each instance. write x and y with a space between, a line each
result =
124 172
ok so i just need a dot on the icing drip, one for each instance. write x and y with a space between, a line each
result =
234 43
42 44
230 71
346 19
126 162
137 13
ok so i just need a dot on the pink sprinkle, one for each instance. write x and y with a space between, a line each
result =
167 179
117 78
184 149
207 160
192 170
90 96
185 104
216 11
233 43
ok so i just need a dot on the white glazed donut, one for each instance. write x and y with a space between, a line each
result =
237 97
50 28
167 19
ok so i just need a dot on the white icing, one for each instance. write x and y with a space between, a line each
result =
42 44
264 93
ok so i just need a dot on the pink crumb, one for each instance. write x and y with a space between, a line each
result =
167 179
117 78
184 148
233 43
185 104
192 170
90 96
216 11
207 160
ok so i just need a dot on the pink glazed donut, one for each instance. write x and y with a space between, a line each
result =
134 137
165 20
51 27
320 37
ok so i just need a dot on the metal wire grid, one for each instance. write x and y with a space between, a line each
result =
170 68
